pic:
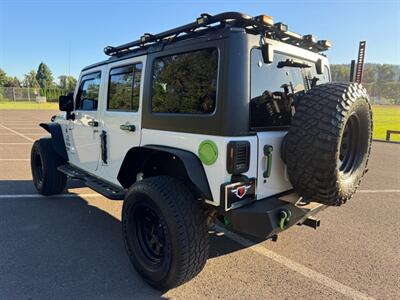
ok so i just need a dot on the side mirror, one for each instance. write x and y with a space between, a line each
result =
319 66
66 103
267 51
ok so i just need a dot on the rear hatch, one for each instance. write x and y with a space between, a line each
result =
275 88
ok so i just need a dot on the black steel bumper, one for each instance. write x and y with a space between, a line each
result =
263 218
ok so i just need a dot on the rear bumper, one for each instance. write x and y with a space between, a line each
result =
262 218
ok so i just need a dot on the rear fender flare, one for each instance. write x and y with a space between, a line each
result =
138 156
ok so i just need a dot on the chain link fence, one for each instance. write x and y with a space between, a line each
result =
15 94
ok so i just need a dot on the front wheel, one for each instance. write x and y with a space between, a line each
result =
44 162
164 231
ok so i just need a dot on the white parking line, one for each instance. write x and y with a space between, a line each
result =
378 191
294 266
22 196
17 133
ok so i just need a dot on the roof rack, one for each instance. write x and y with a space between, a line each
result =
205 23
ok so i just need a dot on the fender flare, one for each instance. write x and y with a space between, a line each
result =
194 168
57 138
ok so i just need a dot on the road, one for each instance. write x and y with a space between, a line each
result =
71 246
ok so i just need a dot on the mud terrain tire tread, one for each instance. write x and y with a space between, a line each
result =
314 139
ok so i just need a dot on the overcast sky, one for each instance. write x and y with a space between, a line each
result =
68 35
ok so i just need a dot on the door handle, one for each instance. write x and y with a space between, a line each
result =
93 123
268 154
127 127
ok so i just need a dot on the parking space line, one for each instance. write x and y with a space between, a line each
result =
294 266
22 196
17 133
378 191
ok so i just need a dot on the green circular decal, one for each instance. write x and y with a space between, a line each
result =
208 152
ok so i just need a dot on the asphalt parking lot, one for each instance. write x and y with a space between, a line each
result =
70 246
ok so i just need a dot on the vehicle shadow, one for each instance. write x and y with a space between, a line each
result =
12 187
63 248
67 248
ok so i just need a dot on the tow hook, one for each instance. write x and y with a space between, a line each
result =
284 218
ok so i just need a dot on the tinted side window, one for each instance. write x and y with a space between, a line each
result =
124 88
88 93
185 83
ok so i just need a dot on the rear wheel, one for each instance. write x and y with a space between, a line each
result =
329 142
44 162
164 231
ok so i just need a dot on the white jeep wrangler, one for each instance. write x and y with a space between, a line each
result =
229 118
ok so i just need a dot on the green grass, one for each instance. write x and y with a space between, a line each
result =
386 117
27 105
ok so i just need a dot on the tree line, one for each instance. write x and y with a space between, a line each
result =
381 80
41 80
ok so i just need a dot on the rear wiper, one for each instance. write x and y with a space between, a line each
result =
292 63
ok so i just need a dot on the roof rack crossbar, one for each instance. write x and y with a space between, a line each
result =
205 21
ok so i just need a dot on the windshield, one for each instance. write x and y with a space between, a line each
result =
275 87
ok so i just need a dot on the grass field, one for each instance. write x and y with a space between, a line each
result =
27 105
386 117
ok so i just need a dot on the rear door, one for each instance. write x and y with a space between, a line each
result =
121 117
84 129
271 173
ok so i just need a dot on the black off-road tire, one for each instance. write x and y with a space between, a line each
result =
178 224
44 162
329 142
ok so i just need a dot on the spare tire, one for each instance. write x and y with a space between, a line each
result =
329 142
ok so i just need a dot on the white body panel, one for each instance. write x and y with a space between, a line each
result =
216 173
278 181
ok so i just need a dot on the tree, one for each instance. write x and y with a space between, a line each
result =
3 77
385 73
12 82
30 80
67 83
44 76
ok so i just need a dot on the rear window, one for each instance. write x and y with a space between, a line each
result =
268 77
276 88
185 83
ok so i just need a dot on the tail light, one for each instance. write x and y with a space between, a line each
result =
238 160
